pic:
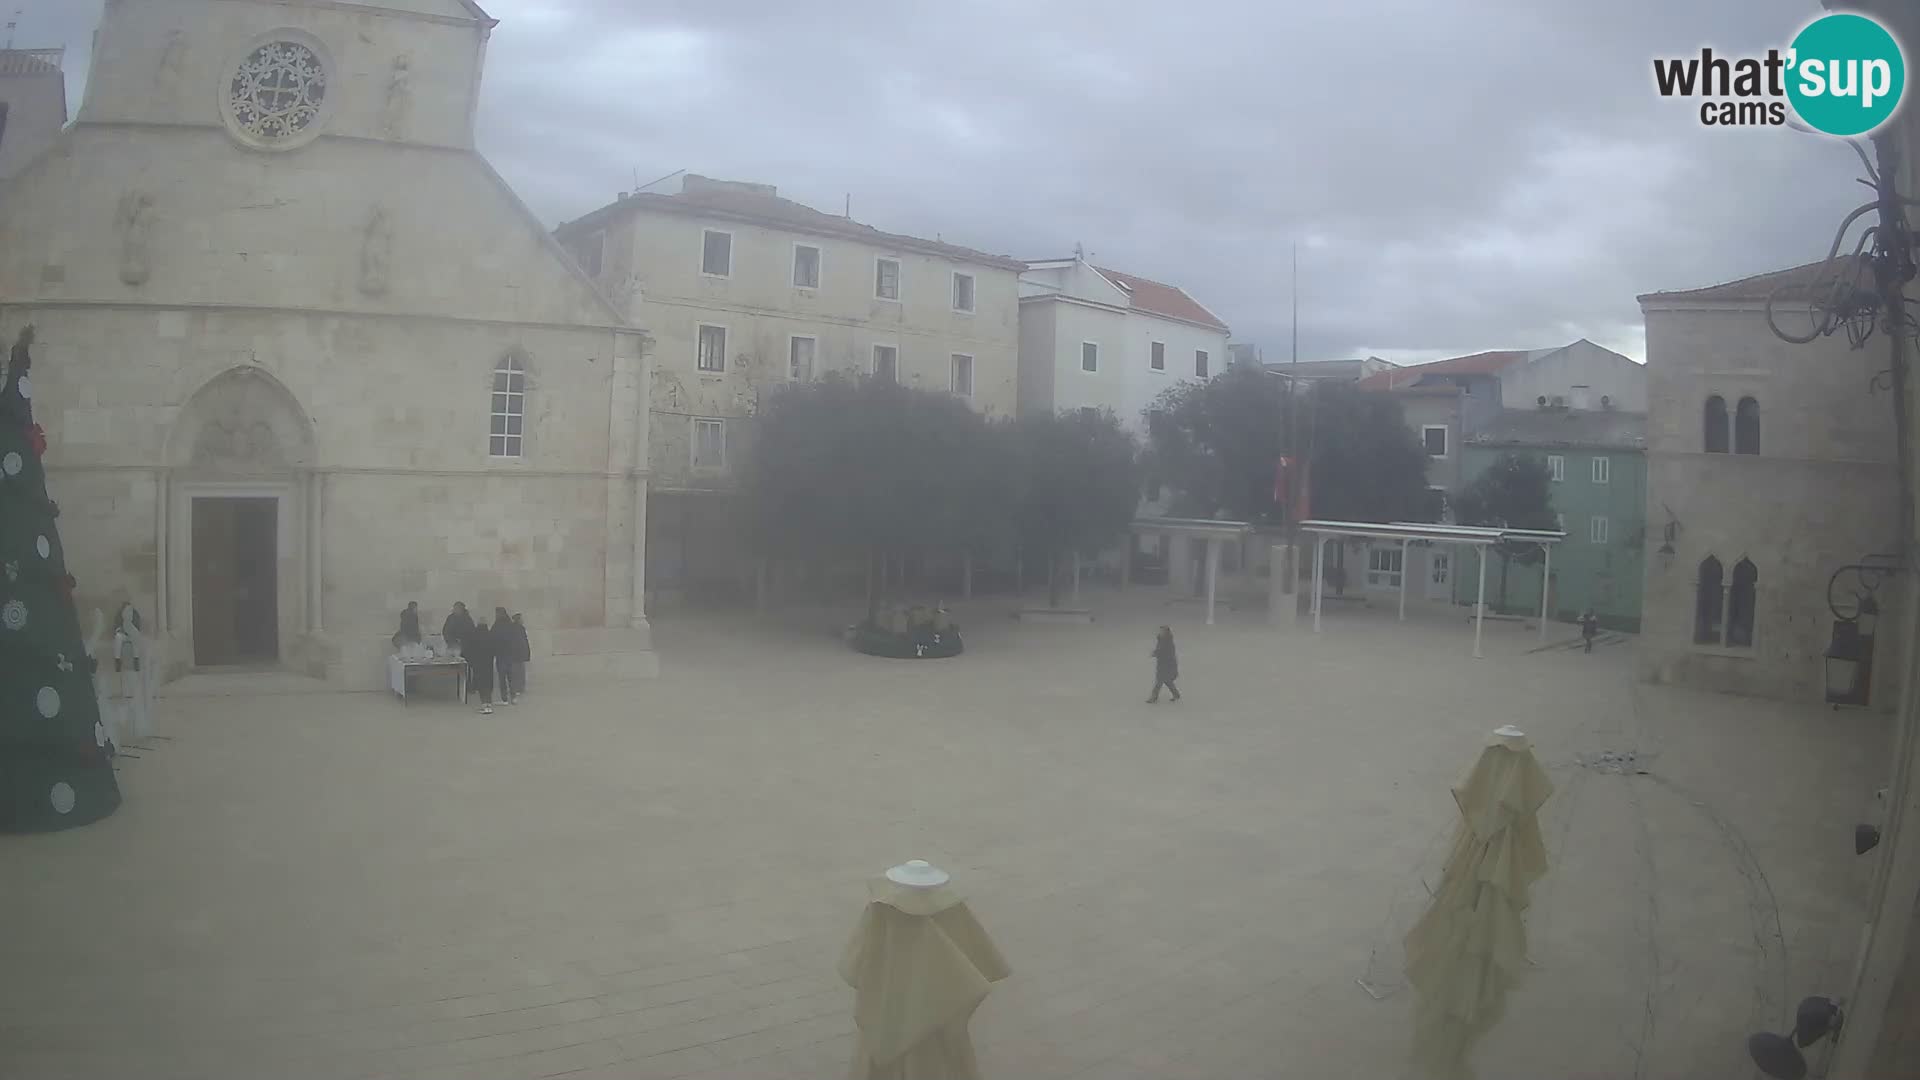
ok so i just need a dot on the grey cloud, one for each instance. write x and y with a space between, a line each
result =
1485 174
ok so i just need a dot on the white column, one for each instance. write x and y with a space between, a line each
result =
1480 605
1546 582
1405 568
163 496
966 575
1126 562
1076 577
639 619
1213 574
1319 565
316 555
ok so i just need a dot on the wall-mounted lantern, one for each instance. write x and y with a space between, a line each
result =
1856 618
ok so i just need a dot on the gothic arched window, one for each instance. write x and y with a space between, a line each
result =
1715 422
1707 603
1746 427
1740 604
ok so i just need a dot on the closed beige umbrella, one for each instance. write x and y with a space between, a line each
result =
919 964
1469 948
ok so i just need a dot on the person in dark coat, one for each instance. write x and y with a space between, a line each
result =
1166 666
409 625
505 651
479 653
522 652
1589 628
458 628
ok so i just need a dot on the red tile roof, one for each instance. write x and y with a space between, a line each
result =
1159 298
1480 363
765 208
1795 283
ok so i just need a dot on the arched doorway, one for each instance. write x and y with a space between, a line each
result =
239 460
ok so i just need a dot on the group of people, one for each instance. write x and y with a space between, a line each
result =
501 649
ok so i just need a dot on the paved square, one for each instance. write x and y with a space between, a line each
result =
655 880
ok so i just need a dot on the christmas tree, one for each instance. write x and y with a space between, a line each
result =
55 769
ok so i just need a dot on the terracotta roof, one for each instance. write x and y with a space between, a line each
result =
1604 428
1159 298
1481 363
30 61
1796 283
761 207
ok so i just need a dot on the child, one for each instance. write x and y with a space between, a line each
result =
1166 666
478 651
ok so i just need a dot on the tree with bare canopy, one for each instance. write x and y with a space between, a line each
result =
847 464
55 769
1075 485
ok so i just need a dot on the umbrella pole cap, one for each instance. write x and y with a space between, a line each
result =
1510 737
918 874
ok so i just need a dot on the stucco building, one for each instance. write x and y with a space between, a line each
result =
1598 465
746 292
1770 466
33 105
303 355
1094 338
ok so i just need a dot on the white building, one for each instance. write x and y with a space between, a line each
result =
746 292
1102 339
303 355
33 105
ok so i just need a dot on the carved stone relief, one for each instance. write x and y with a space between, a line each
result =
399 103
134 221
376 253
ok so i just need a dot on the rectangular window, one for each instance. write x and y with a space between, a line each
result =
1383 567
1434 437
1602 469
1089 356
960 378
963 292
712 352
716 253
1200 363
806 266
886 279
709 444
1597 529
504 429
800 354
1158 361
886 362
1556 467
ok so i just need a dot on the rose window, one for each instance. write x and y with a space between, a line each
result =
278 91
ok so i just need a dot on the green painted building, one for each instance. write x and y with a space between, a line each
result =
1598 460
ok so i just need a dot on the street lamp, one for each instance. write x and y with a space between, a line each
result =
1849 656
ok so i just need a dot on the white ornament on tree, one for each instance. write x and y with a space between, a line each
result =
48 702
41 545
26 387
14 615
61 797
12 464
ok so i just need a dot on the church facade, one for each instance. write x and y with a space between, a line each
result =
304 357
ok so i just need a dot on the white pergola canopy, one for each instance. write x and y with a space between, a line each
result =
1209 532
1407 532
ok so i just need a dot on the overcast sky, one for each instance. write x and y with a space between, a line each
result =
1459 176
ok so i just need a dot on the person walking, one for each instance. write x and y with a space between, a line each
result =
478 651
457 629
1589 628
1166 666
522 652
505 651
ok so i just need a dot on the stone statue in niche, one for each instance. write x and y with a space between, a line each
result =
135 224
172 60
399 103
376 253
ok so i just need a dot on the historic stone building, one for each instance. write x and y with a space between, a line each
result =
303 355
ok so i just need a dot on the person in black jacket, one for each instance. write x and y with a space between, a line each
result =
505 651
522 652
1166 666
457 629
479 653
409 625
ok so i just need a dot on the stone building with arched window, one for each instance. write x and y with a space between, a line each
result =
1770 465
303 356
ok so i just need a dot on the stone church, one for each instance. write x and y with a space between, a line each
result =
303 356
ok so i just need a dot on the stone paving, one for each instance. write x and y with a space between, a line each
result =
655 879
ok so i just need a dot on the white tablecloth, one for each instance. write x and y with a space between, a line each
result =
397 672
